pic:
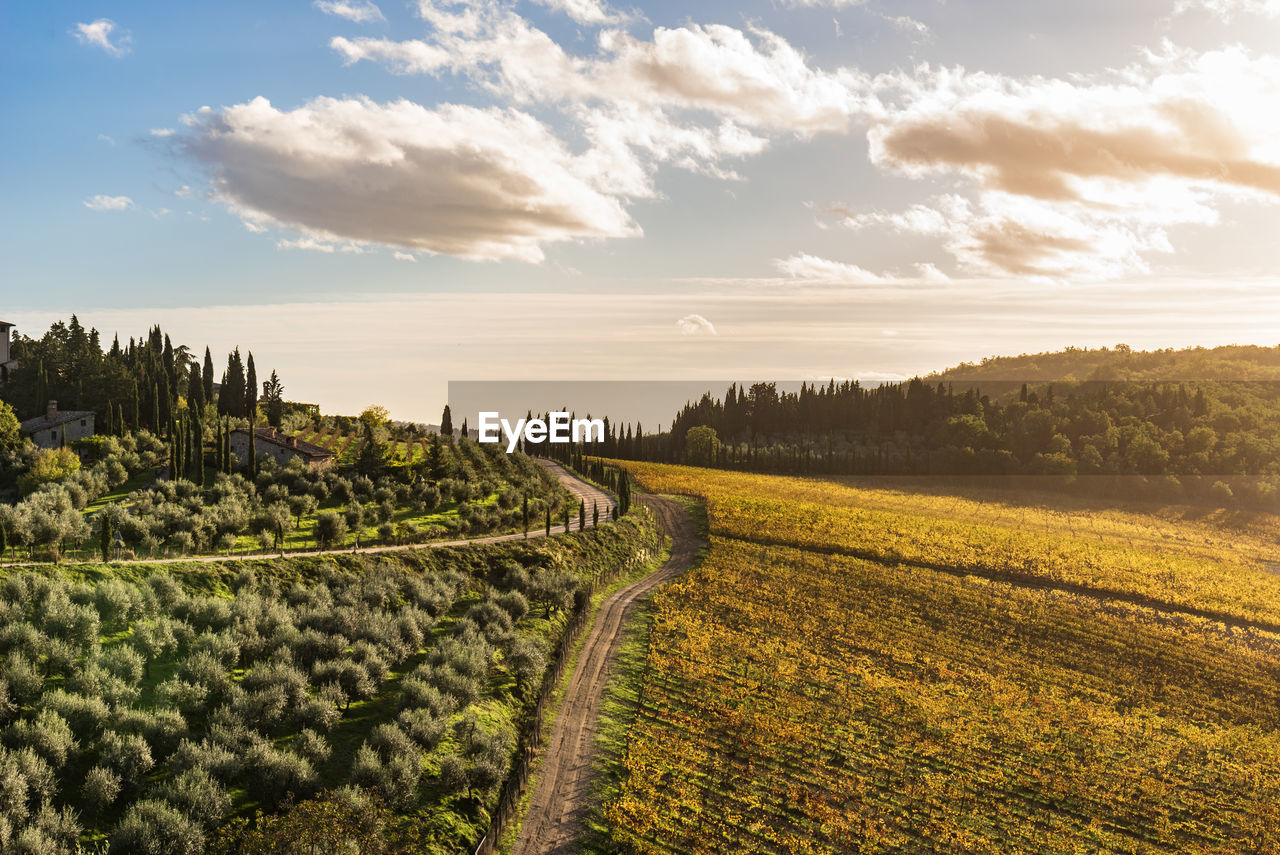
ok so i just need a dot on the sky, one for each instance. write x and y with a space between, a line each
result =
378 198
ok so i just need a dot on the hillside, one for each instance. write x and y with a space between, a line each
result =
1230 362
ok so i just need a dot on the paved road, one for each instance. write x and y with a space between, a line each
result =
561 796
575 485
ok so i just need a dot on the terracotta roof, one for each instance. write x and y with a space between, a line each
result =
305 448
40 422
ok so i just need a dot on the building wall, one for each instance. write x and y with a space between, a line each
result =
280 454
51 437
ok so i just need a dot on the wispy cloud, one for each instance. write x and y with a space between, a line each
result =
815 269
1229 9
106 34
102 202
306 243
591 12
695 325
360 11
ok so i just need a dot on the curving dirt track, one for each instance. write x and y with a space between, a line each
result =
560 798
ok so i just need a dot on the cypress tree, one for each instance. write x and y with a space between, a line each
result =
446 422
582 514
595 513
548 521
137 410
155 408
253 451
207 376
251 391
525 514
105 536
195 391
231 399
566 519
463 434
42 385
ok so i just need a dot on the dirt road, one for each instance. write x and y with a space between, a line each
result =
561 796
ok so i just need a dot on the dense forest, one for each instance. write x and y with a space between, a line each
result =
1180 419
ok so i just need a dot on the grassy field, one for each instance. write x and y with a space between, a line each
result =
860 669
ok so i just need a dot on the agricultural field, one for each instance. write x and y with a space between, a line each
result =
142 708
856 669
289 509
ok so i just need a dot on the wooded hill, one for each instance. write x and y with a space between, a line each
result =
1191 414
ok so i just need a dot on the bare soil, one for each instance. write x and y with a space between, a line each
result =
561 796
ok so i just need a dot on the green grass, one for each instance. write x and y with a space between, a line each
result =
137 482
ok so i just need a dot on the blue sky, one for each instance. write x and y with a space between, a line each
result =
487 190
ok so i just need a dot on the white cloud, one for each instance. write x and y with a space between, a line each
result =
481 184
824 4
908 24
360 12
695 325
104 33
162 132
1080 178
815 269
1228 9
698 98
584 11
308 243
184 192
106 139
404 256
102 202
757 79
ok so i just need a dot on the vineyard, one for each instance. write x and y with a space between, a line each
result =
861 670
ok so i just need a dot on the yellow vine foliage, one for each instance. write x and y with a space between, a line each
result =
853 670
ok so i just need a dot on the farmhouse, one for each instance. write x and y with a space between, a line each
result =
7 362
280 448
55 428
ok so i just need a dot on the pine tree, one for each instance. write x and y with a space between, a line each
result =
273 391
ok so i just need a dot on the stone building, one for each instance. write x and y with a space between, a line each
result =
54 428
280 448
7 362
